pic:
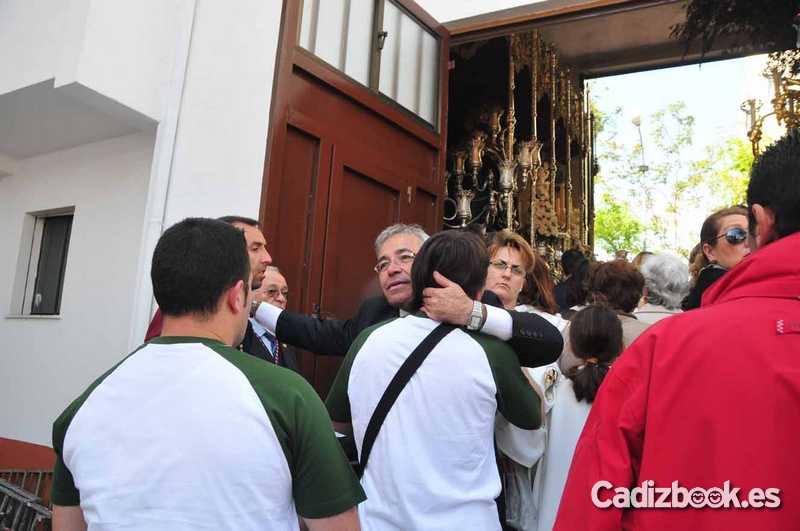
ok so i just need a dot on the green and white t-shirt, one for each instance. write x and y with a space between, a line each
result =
433 464
188 433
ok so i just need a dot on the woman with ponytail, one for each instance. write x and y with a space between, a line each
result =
546 453
596 336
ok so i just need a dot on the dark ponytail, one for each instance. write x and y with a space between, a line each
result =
596 337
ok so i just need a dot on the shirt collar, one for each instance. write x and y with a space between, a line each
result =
259 330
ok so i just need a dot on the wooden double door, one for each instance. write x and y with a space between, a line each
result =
343 163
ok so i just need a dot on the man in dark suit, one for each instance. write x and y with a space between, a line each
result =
259 341
535 340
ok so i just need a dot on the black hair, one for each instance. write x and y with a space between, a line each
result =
775 184
595 334
461 256
576 284
570 260
239 219
194 263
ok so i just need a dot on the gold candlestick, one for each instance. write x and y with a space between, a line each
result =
568 137
511 119
553 103
537 146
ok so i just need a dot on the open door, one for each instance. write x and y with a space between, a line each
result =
357 142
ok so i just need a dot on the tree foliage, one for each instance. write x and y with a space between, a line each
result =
615 227
726 170
656 193
738 24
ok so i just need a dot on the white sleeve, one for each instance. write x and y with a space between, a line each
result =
498 323
526 447
267 316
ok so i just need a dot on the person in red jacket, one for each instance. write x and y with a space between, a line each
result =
702 412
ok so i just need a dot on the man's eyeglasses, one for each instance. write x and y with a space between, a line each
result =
273 292
502 265
733 236
402 259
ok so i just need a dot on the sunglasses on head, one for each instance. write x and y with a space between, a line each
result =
733 236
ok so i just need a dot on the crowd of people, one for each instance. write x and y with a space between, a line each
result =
478 393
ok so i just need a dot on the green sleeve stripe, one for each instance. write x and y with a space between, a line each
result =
323 483
63 491
516 399
337 401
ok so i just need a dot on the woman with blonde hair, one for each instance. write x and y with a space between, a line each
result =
510 259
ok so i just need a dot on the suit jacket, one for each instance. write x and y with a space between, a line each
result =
255 347
535 340
250 344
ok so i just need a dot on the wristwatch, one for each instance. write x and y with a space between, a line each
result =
477 317
253 307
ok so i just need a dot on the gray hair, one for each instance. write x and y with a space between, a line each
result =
667 280
397 229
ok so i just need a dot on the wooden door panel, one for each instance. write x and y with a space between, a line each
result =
297 216
294 211
423 210
361 205
375 137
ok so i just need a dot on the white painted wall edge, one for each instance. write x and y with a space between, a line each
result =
8 165
161 175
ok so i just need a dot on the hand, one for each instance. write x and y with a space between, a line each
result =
448 304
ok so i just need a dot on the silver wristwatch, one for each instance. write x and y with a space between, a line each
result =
475 321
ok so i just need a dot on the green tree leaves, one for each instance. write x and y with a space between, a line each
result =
615 227
654 197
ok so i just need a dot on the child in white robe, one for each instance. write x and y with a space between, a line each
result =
541 458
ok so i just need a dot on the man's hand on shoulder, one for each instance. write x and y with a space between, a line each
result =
448 303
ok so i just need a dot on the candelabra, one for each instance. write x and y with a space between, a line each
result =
785 102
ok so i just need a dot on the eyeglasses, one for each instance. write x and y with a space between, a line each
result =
502 265
273 292
733 236
403 259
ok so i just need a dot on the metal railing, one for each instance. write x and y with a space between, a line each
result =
22 495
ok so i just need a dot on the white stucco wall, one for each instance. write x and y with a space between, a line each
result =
205 158
222 133
123 51
46 363
36 38
128 51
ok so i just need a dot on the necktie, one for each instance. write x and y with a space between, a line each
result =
273 342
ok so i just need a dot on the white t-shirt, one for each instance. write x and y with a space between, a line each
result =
188 433
433 464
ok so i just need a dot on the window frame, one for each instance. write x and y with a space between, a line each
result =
375 55
29 263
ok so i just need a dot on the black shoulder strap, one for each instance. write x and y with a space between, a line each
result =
396 386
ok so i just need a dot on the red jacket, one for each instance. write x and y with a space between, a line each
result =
703 397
